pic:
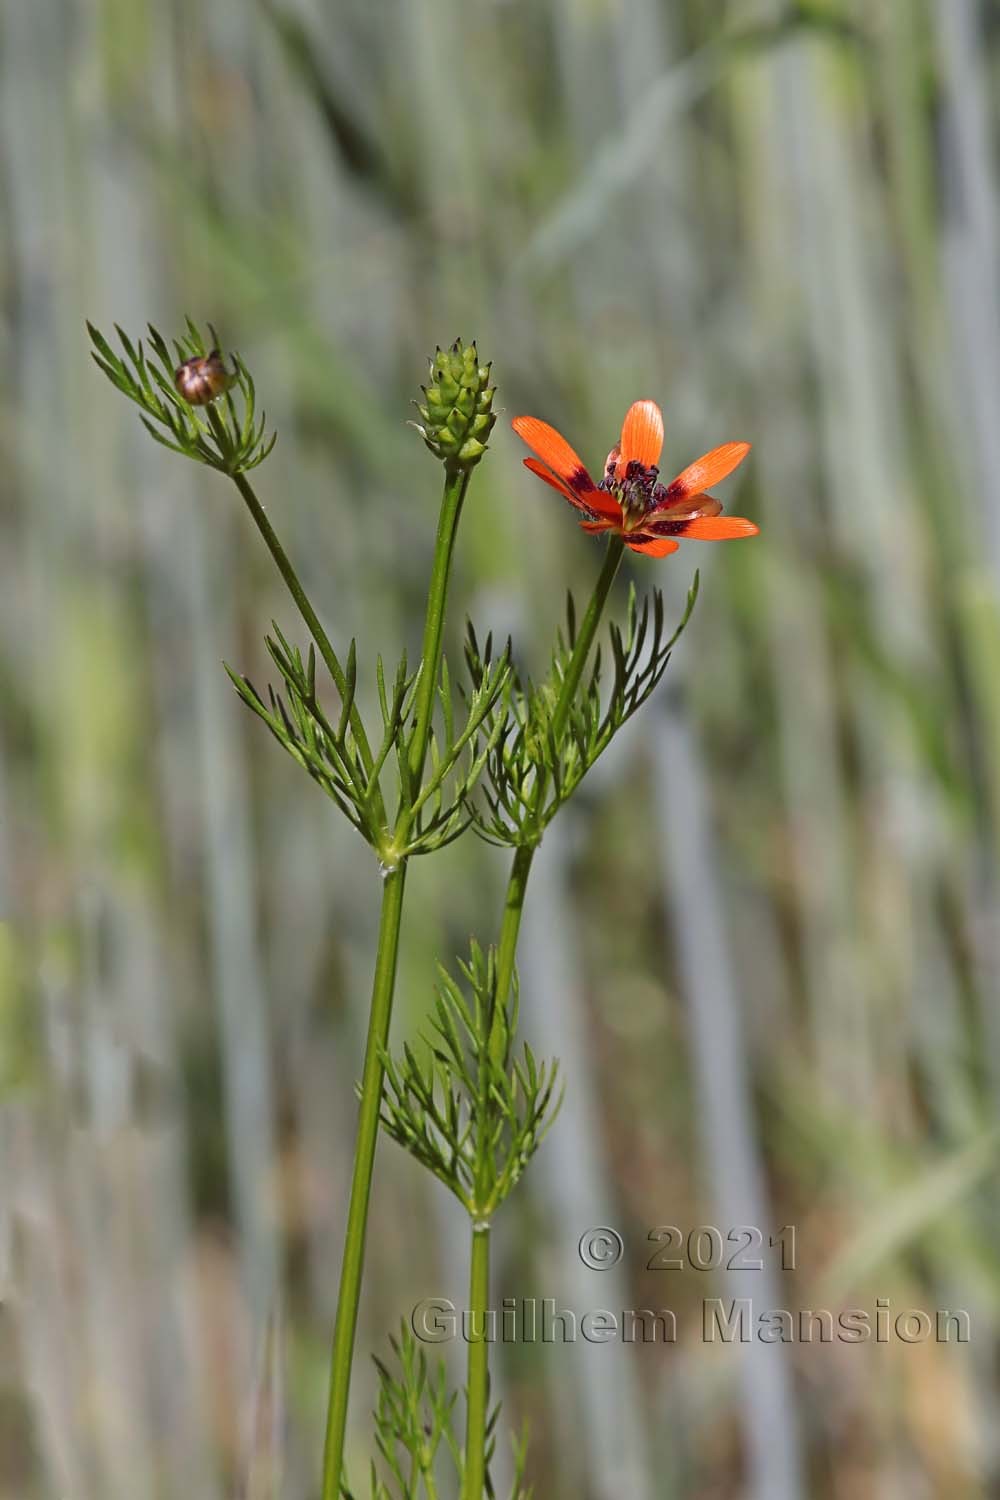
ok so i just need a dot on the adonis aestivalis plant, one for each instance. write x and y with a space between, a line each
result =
472 1105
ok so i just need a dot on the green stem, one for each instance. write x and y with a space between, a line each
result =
425 1469
455 487
373 1077
478 1373
578 660
430 1484
517 883
586 633
570 685
361 1181
513 906
311 618
477 1369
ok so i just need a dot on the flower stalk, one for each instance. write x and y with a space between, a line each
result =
524 852
477 1382
352 1266
477 1365
349 1293
456 485
312 620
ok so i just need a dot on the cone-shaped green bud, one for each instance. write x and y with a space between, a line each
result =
456 414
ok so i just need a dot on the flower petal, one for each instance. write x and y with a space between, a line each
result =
707 470
595 502
664 518
604 505
716 528
642 436
657 546
557 484
553 449
570 477
602 525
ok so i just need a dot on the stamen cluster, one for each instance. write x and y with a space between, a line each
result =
638 491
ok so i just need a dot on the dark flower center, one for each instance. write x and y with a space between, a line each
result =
638 491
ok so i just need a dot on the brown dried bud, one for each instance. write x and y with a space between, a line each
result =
203 378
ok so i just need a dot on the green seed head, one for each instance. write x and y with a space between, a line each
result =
456 414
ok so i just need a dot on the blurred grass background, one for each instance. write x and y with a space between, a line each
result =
764 939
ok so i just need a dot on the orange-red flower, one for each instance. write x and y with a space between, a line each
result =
630 500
